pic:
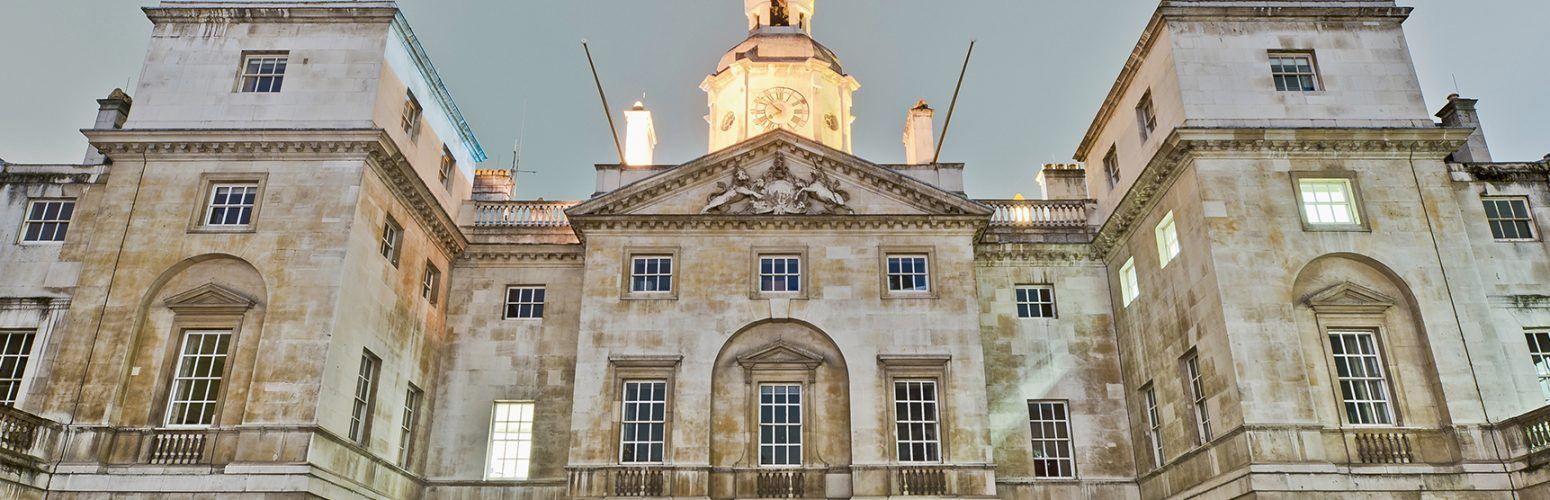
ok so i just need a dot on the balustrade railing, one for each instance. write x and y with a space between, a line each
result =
918 481
639 482
178 447
1038 213
521 213
781 484
1389 447
20 431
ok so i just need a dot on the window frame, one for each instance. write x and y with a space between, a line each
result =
1194 383
410 115
278 78
1146 116
542 297
16 381
1129 282
756 258
1390 401
935 421
1315 76
1356 204
409 425
799 427
627 284
1111 166
61 228
444 171
1528 219
624 402
890 252
180 357
198 221
1539 354
489 455
391 243
431 283
1067 442
1018 300
1154 437
1168 245
362 411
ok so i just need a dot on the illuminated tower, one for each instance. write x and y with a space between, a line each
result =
779 78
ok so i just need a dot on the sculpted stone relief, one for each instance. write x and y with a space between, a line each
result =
778 192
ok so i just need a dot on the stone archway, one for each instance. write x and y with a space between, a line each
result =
768 361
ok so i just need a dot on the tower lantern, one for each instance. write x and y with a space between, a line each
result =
780 13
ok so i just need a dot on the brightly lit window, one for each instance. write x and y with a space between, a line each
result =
1167 240
196 382
1129 286
1146 119
1363 387
409 118
511 440
406 428
365 395
1111 166
430 284
1328 202
392 240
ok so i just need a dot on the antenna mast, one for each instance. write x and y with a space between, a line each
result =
954 105
607 111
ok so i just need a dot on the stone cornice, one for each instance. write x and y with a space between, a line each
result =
1501 172
1022 254
273 12
570 255
1343 143
967 223
371 145
891 183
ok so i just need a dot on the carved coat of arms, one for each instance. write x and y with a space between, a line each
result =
777 192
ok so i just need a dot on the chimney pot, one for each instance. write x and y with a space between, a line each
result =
112 111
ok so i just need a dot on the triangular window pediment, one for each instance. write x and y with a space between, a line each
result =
779 174
780 356
1351 298
209 298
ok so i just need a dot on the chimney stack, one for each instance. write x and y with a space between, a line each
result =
1460 112
640 136
1063 181
111 114
919 144
493 185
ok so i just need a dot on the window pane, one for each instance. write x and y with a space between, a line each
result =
915 417
1359 369
197 379
1052 457
511 440
643 424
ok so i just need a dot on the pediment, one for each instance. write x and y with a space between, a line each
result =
780 355
209 298
1348 297
779 174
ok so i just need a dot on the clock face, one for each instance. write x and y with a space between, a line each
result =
780 107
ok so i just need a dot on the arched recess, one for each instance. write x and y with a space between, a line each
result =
1355 298
205 293
784 353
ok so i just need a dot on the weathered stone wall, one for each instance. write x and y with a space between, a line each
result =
1072 357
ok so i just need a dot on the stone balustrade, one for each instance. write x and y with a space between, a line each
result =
1038 213
521 213
922 481
1383 447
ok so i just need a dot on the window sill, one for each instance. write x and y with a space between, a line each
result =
1516 240
40 243
649 296
909 295
222 230
525 320
1320 228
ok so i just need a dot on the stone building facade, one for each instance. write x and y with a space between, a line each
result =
1271 273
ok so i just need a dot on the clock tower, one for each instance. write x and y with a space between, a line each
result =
779 78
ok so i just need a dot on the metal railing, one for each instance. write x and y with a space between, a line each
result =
1038 213
521 213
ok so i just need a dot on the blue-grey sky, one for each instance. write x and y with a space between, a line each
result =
1040 71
